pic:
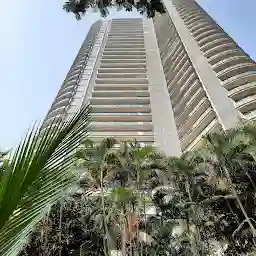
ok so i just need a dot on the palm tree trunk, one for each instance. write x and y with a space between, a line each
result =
105 239
138 210
234 192
124 231
194 236
60 225
250 178
231 210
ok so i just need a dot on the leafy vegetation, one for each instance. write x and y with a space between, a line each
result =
134 201
144 7
35 176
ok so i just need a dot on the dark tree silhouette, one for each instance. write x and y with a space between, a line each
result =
144 7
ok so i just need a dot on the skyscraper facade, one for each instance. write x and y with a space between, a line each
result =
164 82
211 80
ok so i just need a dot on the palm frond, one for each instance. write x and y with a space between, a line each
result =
37 175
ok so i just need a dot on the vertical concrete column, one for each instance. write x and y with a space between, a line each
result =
165 131
225 110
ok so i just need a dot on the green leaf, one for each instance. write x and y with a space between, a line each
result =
36 177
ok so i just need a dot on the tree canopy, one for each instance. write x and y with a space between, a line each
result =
134 201
147 8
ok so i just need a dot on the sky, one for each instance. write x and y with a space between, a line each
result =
39 41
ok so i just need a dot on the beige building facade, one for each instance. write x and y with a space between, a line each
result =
164 82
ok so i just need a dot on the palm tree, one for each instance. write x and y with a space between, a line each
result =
36 176
124 170
94 158
224 152
184 172
121 180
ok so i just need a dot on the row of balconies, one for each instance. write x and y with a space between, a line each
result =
240 79
105 93
233 70
182 112
185 93
121 118
213 127
121 87
120 101
121 75
198 127
124 56
124 45
193 116
243 91
108 108
132 80
121 126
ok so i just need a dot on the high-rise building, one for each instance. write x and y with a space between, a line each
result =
166 81
211 80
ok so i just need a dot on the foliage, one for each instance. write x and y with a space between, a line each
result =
138 202
36 176
144 7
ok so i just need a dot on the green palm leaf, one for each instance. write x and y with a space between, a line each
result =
37 175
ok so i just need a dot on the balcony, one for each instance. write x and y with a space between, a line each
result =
56 112
218 41
219 48
131 135
202 106
122 127
207 33
70 83
246 104
182 111
176 82
229 62
119 81
251 115
125 52
105 94
121 41
125 37
213 127
197 128
121 109
105 67
174 92
201 30
240 79
210 38
60 103
64 95
191 23
121 75
110 61
232 71
124 57
200 25
118 101
126 70
243 91
124 46
99 138
184 94
121 118
183 62
121 87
